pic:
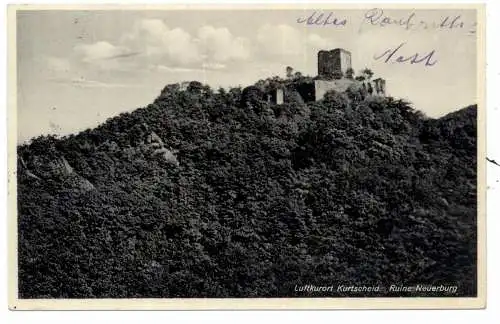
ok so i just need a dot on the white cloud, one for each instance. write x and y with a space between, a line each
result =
99 51
152 42
279 40
155 41
170 69
174 69
213 66
86 83
152 46
317 42
154 28
219 45
284 40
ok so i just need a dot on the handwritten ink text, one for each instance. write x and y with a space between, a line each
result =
379 18
322 19
376 17
394 56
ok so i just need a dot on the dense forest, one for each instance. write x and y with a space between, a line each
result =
218 193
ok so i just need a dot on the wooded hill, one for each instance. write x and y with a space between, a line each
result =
216 194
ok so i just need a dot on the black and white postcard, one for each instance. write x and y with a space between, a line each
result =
246 157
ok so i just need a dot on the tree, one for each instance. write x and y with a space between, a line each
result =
349 73
338 75
336 100
289 72
255 198
252 96
367 73
195 87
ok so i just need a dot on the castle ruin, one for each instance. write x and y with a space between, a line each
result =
334 73
333 64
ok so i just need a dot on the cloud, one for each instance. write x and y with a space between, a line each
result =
213 66
124 55
157 42
219 45
151 42
170 69
279 40
103 56
98 51
86 83
317 42
150 46
284 40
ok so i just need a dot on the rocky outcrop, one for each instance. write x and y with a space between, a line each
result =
22 169
167 155
155 146
154 141
75 181
51 167
55 168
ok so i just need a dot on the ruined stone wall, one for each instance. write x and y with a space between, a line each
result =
379 87
280 97
306 91
323 86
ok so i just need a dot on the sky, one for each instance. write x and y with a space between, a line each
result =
75 69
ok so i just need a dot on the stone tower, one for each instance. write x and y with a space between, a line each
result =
333 64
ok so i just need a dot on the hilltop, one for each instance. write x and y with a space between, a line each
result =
209 193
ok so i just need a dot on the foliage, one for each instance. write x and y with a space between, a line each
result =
336 191
349 74
367 73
